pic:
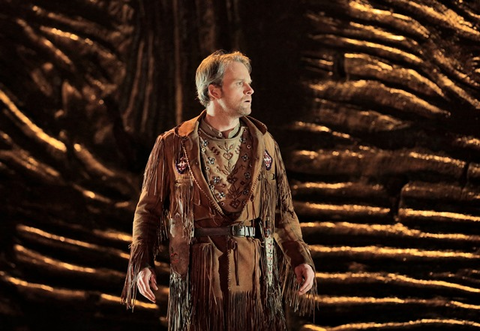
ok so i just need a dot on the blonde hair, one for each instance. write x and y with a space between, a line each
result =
212 69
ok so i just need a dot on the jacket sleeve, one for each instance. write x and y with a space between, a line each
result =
288 233
149 224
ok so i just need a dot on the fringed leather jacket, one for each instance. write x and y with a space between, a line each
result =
219 282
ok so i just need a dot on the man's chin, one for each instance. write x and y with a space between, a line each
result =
246 111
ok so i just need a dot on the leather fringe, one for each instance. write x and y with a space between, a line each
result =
305 304
272 295
182 214
207 309
284 192
274 314
138 258
142 255
151 170
180 233
142 251
179 303
301 304
245 312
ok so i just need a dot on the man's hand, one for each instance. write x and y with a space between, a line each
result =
145 282
305 277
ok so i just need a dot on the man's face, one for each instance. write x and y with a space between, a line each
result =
235 95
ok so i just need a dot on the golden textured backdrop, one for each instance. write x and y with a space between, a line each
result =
374 102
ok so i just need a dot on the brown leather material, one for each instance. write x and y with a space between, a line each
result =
233 230
241 275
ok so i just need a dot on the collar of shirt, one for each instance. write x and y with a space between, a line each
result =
211 131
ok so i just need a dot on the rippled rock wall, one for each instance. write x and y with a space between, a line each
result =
376 106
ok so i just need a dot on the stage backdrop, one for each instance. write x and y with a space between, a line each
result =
376 106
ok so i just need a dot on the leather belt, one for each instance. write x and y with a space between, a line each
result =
233 230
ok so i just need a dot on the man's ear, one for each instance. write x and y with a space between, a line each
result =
214 91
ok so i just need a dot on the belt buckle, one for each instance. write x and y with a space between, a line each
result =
234 230
238 230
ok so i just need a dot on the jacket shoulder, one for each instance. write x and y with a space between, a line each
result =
166 136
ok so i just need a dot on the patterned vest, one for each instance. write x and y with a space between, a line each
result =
227 166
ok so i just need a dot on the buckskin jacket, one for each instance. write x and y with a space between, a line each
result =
222 282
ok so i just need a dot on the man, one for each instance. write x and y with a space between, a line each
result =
215 187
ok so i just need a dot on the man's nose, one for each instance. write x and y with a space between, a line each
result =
249 89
